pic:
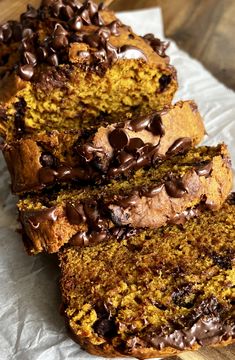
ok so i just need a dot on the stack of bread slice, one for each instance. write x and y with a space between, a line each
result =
109 177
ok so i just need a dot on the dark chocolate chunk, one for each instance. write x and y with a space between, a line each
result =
179 146
118 139
175 188
223 261
181 296
105 328
26 72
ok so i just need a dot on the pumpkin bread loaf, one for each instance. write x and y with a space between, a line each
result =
155 293
101 149
148 198
69 61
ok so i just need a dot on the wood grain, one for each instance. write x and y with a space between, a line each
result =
203 28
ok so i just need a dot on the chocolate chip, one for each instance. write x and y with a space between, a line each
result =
59 30
175 188
26 72
97 236
30 58
60 41
124 157
179 146
27 33
32 13
130 200
118 139
204 169
134 145
97 19
131 52
53 60
56 9
181 296
41 53
47 160
85 17
164 81
6 32
151 192
75 213
92 7
223 261
156 126
66 12
114 27
139 123
76 23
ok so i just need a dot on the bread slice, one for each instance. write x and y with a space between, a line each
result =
102 148
156 293
67 61
148 198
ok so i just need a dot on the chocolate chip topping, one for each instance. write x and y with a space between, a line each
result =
175 188
69 20
118 139
179 146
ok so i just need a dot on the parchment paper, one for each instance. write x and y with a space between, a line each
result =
30 325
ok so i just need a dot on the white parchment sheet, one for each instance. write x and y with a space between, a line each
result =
30 325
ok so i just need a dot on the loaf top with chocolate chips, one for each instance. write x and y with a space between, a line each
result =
70 32
168 290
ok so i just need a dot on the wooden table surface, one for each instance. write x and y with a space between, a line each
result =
206 30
